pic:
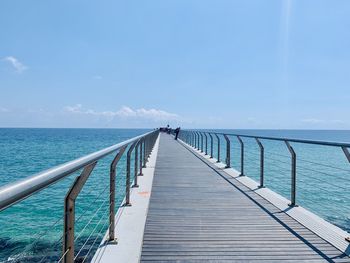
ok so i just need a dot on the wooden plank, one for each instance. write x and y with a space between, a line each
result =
196 215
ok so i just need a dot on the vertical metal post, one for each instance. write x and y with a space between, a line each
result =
206 143
211 145
293 174
128 168
112 175
140 161
135 185
198 144
201 141
242 155
150 146
198 139
346 152
149 142
261 163
195 139
144 152
218 139
69 213
228 152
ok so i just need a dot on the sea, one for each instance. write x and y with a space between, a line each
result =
31 231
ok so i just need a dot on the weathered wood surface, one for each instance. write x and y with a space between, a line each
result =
198 213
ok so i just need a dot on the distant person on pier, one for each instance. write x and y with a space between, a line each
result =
177 130
168 129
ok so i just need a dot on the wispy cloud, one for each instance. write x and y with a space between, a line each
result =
125 112
322 121
312 121
16 64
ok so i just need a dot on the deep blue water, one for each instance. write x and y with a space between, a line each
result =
33 228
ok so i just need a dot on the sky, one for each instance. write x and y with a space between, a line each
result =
244 64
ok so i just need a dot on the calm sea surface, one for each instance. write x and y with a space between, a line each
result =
32 230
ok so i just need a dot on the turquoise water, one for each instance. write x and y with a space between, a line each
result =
31 230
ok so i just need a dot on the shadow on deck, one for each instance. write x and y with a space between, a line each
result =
199 213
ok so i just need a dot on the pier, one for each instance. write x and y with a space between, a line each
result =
189 207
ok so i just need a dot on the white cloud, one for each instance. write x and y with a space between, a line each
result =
16 64
313 121
321 121
125 112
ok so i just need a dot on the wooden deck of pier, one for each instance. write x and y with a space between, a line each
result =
199 213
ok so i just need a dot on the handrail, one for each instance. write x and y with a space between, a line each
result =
325 143
12 193
15 192
344 146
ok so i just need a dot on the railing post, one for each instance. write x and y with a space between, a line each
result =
193 139
69 213
242 155
261 163
144 152
346 152
112 175
211 145
228 151
198 141
218 139
201 142
135 185
206 143
147 149
141 150
293 174
149 146
128 164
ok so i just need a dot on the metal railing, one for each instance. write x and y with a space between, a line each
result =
141 146
193 138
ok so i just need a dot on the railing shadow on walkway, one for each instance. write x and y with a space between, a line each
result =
232 181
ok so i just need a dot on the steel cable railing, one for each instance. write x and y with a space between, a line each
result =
88 238
235 150
97 236
79 219
13 193
279 170
91 219
55 244
253 158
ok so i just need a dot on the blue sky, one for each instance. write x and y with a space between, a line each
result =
205 64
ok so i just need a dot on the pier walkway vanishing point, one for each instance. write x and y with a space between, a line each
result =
183 205
198 212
